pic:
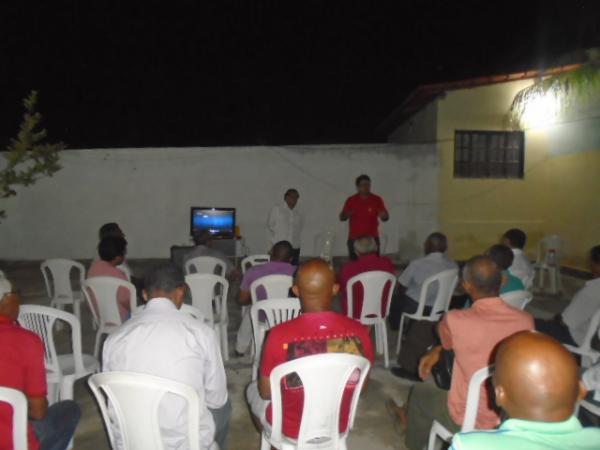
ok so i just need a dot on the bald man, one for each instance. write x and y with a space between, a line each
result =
317 330
537 385
472 334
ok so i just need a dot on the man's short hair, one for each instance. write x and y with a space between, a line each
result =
112 247
282 251
485 282
502 256
365 245
437 242
201 237
361 178
165 278
110 229
516 237
291 191
595 254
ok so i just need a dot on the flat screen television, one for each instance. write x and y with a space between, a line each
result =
220 222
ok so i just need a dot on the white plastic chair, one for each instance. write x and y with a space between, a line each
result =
206 264
103 291
549 255
324 378
57 277
17 400
373 284
62 369
253 260
275 286
276 311
518 299
470 419
446 283
133 400
324 245
588 354
209 295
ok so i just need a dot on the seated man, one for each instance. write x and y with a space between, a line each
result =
537 384
412 278
22 368
521 267
419 335
112 229
203 241
112 252
472 334
282 254
163 341
503 257
571 326
317 330
368 260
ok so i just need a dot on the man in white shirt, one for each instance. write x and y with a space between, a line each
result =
419 336
285 223
163 341
571 326
521 266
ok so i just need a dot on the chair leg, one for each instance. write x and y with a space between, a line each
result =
400 330
264 444
542 277
66 388
224 342
552 275
77 309
97 344
384 342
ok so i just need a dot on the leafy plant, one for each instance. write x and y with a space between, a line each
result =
570 90
28 157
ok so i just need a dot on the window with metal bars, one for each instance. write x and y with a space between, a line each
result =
489 154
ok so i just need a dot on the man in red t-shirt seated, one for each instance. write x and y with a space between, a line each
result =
317 330
22 368
364 210
368 261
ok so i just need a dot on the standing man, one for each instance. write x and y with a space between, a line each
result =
364 209
285 223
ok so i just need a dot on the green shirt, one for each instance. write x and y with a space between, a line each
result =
512 283
516 434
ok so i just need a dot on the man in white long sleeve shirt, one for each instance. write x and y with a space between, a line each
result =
163 341
285 223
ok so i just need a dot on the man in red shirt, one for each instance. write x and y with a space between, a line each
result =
317 330
368 260
22 368
364 210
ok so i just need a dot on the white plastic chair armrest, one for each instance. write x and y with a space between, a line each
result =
438 430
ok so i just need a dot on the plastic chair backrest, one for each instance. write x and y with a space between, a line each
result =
374 284
18 401
517 299
446 282
253 260
203 287
57 276
275 286
473 396
101 295
324 244
324 378
134 399
275 311
40 320
206 264
547 245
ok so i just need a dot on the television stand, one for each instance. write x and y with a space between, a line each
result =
232 248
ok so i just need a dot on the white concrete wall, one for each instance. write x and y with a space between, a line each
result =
149 191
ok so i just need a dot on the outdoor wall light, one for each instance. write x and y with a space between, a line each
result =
541 110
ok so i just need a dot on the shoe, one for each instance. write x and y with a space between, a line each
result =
401 372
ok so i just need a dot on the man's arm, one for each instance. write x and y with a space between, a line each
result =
245 298
37 407
345 215
264 387
382 212
429 360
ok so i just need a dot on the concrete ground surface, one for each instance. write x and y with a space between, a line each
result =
373 428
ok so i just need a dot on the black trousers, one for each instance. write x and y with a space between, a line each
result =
555 328
352 254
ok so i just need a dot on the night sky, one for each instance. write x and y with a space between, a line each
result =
199 72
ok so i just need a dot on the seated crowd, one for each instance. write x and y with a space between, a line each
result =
536 380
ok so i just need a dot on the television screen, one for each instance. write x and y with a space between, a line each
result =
220 222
